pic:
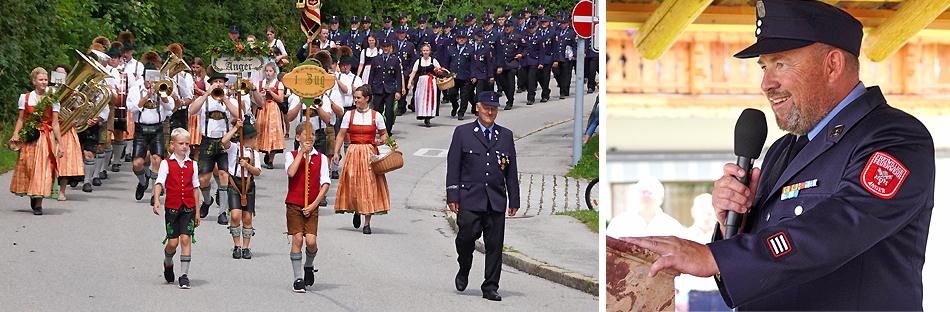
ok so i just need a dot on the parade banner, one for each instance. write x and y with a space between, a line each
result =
237 64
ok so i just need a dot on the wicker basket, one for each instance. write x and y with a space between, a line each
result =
390 162
445 83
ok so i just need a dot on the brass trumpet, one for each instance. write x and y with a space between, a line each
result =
217 94
243 87
172 66
165 87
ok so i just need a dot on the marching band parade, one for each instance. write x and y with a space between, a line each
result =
198 136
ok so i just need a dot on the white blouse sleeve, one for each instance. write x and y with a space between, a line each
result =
346 120
22 103
380 123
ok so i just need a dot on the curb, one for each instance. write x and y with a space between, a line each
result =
534 267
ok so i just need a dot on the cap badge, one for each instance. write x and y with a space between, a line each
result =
760 9
837 130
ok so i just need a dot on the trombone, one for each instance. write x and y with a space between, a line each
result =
172 66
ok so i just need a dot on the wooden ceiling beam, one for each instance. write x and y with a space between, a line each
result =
665 24
906 22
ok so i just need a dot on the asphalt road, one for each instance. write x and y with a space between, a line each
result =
102 250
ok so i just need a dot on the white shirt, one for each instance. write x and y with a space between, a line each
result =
362 119
234 164
424 62
630 223
163 170
134 68
31 99
368 53
315 122
351 81
144 115
264 86
215 128
186 86
278 47
324 169
249 114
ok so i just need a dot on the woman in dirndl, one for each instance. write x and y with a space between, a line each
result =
201 85
361 191
35 172
366 57
270 121
426 102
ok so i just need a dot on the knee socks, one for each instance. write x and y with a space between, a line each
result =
140 174
89 168
100 159
205 193
152 175
185 263
310 256
117 149
295 259
106 157
223 194
168 259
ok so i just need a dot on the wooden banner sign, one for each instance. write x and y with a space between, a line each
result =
237 64
308 81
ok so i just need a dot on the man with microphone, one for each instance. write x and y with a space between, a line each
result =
838 216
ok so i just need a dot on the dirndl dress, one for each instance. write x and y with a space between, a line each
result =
35 172
360 189
71 163
270 123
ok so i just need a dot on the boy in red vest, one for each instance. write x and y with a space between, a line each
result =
178 175
248 165
301 220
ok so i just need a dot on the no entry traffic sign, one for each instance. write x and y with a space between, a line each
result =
583 19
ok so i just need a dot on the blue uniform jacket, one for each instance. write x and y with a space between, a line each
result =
407 55
509 45
851 231
420 37
386 74
340 38
355 41
460 60
567 38
385 33
481 171
482 67
549 45
533 50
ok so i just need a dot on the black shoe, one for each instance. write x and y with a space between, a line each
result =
73 183
530 102
128 158
508 106
86 187
356 220
139 191
37 211
204 209
103 175
367 230
246 253
400 112
560 97
169 273
491 295
428 124
183 282
412 107
299 286
96 182
334 175
544 100
591 90
223 219
268 166
115 167
454 111
461 281
519 91
236 254
461 114
323 202
308 276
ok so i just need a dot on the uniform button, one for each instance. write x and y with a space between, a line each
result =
486 173
486 164
798 210
767 216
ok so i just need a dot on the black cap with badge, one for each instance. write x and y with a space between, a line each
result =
783 25
234 29
489 98
354 20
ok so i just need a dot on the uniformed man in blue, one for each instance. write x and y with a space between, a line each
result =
565 59
339 38
491 13
508 10
540 10
450 20
521 28
482 64
508 62
406 52
460 57
591 65
481 194
526 12
422 34
387 82
364 33
838 216
469 26
387 32
404 25
355 39
549 47
531 63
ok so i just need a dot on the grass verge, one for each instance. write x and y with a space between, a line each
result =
588 167
7 157
588 217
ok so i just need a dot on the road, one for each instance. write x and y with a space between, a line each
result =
101 250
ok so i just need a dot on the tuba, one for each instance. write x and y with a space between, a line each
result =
81 96
243 87
172 66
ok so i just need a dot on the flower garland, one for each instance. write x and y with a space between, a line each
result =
239 48
442 72
34 121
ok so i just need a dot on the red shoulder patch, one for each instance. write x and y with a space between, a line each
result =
883 175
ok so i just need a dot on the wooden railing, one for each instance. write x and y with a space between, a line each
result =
702 63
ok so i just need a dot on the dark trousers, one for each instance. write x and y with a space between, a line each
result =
564 70
523 77
460 95
480 85
506 82
471 225
384 103
531 80
591 67
179 119
544 79
402 101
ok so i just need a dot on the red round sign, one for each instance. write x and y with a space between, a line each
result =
583 19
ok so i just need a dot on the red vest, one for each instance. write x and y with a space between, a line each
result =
295 187
178 187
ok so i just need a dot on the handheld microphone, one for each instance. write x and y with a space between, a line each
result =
750 134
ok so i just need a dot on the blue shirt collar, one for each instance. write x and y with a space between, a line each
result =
490 129
855 93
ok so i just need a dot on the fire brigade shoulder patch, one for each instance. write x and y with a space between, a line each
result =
883 175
